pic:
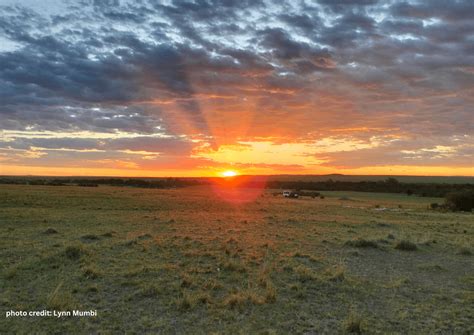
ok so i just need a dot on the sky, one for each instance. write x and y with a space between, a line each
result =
183 88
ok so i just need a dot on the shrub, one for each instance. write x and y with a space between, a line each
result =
434 205
74 252
232 265
406 246
90 237
361 243
460 201
50 231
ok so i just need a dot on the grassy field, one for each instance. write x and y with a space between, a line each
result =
184 261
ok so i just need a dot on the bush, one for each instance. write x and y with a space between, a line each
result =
406 246
74 252
434 205
50 231
361 243
460 201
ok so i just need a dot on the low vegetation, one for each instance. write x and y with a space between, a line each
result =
186 261
406 246
362 243
460 201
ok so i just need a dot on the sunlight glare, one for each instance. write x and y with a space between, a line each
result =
229 173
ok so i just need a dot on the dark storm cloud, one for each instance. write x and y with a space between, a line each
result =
138 66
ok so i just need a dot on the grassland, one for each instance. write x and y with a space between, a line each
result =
184 261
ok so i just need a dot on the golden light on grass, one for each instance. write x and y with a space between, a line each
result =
236 188
229 173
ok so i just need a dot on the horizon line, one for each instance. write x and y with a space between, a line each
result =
240 175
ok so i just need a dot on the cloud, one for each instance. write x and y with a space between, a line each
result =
222 72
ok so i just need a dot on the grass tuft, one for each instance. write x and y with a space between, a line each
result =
270 293
305 274
90 272
240 300
149 291
336 273
185 302
59 300
353 324
189 300
187 281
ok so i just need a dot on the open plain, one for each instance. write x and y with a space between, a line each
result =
190 261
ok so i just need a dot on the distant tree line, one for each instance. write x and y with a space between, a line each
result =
389 185
94 182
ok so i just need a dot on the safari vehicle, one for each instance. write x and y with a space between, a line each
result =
290 194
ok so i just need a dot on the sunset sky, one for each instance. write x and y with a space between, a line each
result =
181 88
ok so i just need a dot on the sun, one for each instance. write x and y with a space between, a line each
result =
229 173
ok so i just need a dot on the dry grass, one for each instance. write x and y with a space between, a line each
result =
60 299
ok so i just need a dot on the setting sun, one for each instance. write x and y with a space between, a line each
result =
229 173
